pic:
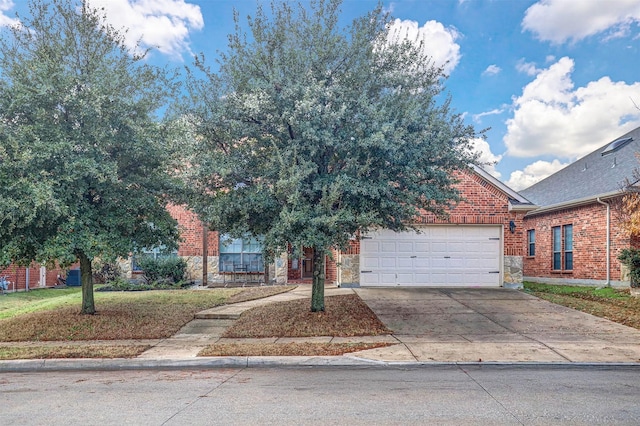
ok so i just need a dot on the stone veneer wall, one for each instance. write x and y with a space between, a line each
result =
513 272
349 270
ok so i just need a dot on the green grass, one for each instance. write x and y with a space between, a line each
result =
610 303
13 304
53 315
569 290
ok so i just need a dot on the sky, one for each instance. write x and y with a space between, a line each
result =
550 80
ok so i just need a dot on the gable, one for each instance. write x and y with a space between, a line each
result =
484 200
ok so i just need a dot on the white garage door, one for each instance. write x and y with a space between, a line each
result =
439 256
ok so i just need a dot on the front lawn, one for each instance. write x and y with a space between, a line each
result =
610 303
50 314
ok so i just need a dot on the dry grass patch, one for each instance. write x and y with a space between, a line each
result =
287 349
82 351
344 316
121 315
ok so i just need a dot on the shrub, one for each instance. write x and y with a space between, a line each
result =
631 258
170 269
106 273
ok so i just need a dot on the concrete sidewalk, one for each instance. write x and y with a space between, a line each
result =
465 325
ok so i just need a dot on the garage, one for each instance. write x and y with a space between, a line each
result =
437 256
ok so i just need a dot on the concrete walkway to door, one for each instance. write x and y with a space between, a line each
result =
493 325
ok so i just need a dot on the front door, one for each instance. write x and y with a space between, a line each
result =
307 262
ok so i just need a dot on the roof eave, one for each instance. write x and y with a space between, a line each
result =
574 203
522 207
504 188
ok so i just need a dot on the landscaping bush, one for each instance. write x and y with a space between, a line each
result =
165 270
631 258
106 273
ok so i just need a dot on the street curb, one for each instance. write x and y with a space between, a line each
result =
103 364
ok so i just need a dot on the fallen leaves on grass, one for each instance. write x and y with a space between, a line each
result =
344 316
287 349
613 304
80 351
121 315
622 311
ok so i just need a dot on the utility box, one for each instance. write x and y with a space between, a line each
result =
73 278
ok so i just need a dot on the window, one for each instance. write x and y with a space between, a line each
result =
531 241
616 145
240 254
568 247
562 247
155 253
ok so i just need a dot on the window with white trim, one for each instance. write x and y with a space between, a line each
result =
531 242
241 254
562 246
156 253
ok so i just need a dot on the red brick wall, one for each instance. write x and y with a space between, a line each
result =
589 243
17 275
483 204
191 233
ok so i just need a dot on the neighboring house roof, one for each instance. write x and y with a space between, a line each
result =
594 176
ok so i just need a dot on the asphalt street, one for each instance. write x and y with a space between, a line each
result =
445 394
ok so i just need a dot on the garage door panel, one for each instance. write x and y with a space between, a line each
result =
420 247
404 247
388 262
405 263
463 255
388 247
370 262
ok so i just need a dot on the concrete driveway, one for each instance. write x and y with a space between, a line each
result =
493 325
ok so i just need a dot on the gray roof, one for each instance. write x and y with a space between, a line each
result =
590 177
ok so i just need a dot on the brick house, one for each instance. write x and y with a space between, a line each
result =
573 237
21 278
480 244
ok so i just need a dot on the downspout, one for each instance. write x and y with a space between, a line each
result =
608 283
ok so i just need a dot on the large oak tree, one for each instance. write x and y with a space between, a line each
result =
308 132
84 162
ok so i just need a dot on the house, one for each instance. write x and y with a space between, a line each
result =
481 243
573 236
20 278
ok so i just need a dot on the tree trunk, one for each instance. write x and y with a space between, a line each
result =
267 278
317 288
86 278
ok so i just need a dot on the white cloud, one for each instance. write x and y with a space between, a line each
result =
5 21
533 173
437 41
492 70
551 117
163 24
487 159
528 68
558 21
478 117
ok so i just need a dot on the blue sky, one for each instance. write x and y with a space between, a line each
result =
553 79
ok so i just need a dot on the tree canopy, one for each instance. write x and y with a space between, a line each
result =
85 164
310 132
